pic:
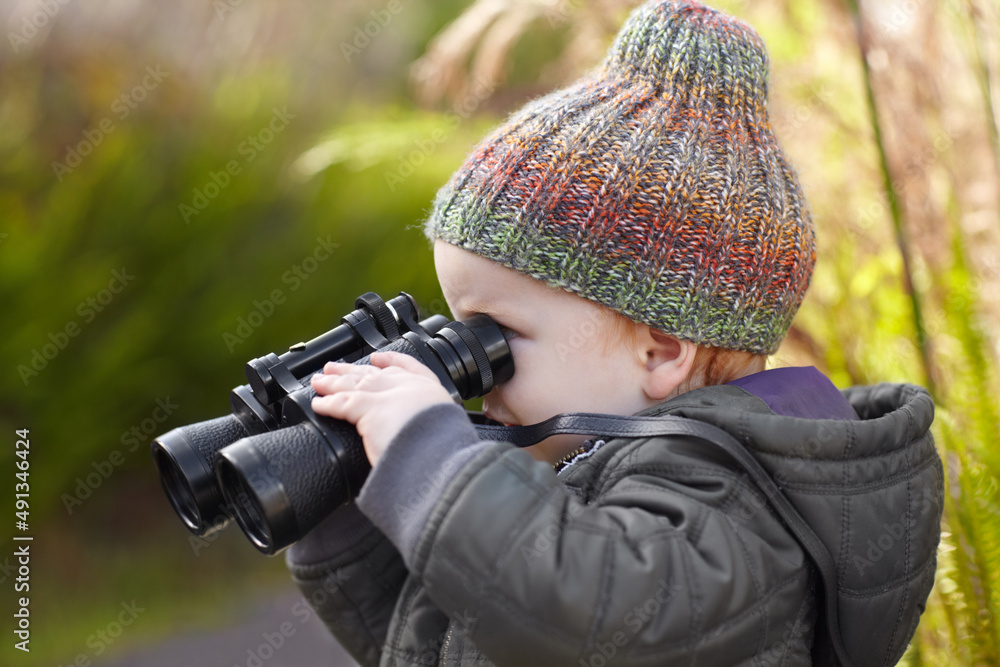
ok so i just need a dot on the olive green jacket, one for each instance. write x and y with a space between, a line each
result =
646 551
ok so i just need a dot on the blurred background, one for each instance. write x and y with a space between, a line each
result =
188 185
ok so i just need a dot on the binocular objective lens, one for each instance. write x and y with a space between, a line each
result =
244 504
178 490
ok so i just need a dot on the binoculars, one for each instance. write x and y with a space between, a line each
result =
278 468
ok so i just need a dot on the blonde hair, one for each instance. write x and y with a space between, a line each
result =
717 365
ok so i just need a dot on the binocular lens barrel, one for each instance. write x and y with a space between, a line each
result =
182 457
281 484
245 501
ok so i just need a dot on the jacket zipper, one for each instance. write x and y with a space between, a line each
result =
559 465
444 646
561 462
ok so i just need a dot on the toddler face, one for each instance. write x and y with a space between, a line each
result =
567 358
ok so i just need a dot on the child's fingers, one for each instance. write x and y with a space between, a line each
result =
349 406
336 382
340 368
388 371
360 378
399 360
341 379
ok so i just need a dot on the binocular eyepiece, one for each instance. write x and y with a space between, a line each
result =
276 466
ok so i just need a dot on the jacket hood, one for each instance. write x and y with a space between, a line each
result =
872 490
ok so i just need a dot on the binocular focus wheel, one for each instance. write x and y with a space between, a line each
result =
386 321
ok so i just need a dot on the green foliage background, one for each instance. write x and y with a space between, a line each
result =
327 176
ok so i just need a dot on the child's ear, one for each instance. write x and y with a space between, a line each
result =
668 362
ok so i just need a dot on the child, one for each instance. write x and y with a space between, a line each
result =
647 211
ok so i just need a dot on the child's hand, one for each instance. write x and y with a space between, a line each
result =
378 399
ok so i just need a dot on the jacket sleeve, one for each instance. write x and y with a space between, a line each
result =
674 556
352 576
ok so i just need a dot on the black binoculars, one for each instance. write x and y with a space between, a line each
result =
278 468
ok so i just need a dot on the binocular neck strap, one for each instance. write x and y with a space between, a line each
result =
590 423
586 423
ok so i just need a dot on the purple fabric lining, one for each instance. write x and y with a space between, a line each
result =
798 392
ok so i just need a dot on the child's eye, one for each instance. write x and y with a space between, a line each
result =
507 332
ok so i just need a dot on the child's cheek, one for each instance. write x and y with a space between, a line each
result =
518 350
520 382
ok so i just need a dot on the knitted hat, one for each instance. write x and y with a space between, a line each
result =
654 186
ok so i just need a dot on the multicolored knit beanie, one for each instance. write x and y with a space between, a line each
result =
653 186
